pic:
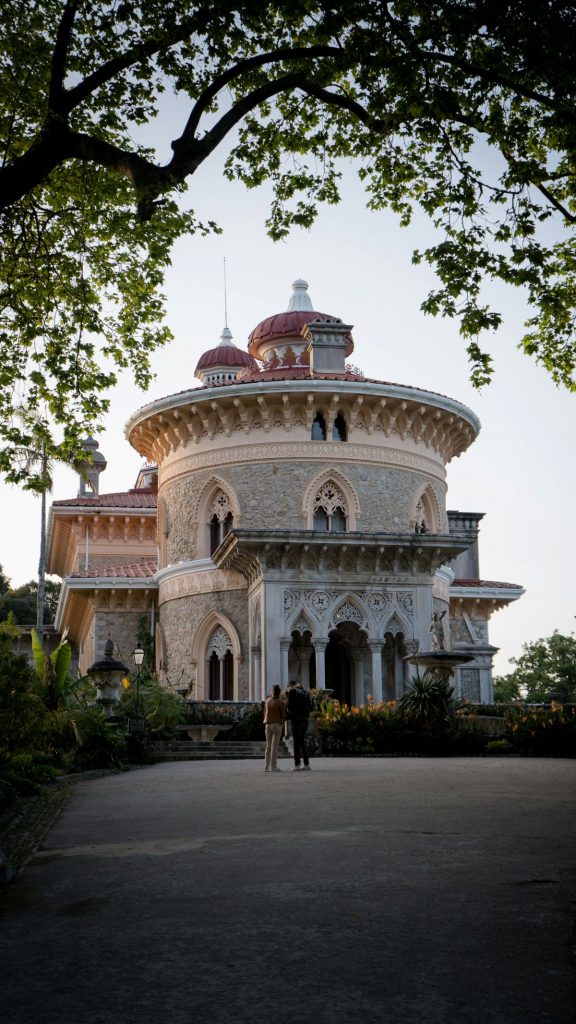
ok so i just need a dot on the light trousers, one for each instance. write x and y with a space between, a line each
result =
273 734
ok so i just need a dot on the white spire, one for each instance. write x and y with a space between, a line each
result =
227 338
300 298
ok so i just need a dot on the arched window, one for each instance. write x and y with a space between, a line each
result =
338 523
318 428
220 519
329 509
320 520
339 428
220 666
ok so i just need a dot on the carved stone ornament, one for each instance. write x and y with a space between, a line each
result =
348 612
289 600
412 646
378 603
301 626
329 498
320 600
220 506
219 643
289 451
394 626
406 602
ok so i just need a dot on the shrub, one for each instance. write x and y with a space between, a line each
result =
163 708
542 731
498 747
96 743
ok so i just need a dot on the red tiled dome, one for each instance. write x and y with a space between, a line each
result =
287 325
225 355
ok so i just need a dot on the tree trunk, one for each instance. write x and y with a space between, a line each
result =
41 570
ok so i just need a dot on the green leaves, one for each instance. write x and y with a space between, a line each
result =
465 111
545 665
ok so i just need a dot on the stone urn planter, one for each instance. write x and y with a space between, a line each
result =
201 733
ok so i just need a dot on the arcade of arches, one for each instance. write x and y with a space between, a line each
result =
350 664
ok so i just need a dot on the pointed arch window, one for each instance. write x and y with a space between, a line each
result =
220 666
329 509
318 428
339 428
220 519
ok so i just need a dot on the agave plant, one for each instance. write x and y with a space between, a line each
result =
428 698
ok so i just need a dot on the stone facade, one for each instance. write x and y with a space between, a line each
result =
300 526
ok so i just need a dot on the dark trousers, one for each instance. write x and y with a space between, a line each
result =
299 729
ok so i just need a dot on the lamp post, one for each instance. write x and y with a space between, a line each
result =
137 723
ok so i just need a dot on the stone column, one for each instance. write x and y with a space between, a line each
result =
284 649
320 644
376 648
358 656
257 674
412 647
305 652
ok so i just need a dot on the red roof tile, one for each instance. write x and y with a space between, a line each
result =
133 570
135 498
225 355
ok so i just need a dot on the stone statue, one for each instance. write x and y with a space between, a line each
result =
436 629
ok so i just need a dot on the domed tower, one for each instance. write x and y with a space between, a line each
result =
223 364
302 522
282 340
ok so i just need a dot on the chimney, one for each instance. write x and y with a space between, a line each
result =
327 339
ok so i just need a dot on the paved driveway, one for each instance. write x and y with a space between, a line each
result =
397 890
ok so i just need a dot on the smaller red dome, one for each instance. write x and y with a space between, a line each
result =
226 354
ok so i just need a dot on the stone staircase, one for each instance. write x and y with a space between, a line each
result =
186 750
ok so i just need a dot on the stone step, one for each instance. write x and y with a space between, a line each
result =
181 750
183 746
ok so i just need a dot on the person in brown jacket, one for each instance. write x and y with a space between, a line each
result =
274 718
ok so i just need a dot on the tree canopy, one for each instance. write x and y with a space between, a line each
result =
462 108
545 666
22 601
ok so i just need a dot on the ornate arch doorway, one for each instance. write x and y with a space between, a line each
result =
346 656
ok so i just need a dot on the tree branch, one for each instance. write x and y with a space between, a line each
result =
60 57
241 68
551 198
113 67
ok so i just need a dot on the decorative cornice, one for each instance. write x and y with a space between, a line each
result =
312 451
199 416
200 577
308 554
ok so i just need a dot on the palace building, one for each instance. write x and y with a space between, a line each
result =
290 521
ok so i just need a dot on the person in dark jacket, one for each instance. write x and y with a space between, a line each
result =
298 707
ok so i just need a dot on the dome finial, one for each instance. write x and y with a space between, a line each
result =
300 298
226 337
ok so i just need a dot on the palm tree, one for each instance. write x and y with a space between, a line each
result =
37 460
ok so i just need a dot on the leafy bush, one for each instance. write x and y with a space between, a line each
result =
23 775
498 747
542 731
163 708
248 726
96 744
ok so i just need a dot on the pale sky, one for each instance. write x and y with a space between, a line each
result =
519 472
